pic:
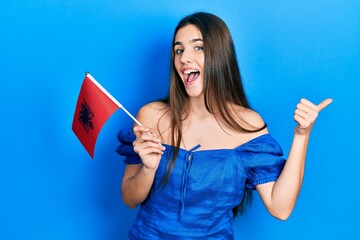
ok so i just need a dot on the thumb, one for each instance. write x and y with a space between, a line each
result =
324 104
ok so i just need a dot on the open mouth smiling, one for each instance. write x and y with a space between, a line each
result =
191 75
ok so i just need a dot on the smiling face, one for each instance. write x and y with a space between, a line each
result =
189 59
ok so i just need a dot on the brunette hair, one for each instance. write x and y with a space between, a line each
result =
221 79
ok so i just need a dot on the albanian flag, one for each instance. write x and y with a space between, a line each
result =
93 108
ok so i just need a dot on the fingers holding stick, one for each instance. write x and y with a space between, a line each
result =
148 146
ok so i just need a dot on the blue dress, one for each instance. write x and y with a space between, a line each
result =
203 188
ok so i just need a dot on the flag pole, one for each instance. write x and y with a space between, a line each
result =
112 98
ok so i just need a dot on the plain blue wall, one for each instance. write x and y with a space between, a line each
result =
49 186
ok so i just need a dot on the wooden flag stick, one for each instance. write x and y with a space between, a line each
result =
112 98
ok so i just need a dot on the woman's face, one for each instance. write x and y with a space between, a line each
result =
189 59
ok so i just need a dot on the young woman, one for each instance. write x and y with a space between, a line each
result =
202 150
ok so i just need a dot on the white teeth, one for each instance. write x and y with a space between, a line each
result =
190 71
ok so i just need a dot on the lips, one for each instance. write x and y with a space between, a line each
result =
191 75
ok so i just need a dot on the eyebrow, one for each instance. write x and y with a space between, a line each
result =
191 41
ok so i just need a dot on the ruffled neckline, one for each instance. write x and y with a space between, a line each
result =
262 143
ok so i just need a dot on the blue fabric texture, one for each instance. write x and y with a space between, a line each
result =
126 138
203 188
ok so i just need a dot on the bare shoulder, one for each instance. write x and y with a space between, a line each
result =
150 114
249 118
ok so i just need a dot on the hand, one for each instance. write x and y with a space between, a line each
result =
148 146
306 113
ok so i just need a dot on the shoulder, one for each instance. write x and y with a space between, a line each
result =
249 118
150 114
152 109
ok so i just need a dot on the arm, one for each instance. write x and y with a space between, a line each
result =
280 197
136 184
138 179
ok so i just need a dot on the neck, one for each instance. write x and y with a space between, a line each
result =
197 107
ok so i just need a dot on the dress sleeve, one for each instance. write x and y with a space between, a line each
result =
262 159
126 137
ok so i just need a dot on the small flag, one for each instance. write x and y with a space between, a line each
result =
93 108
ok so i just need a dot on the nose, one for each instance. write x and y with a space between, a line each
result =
187 57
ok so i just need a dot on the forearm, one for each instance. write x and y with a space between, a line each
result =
287 188
280 196
136 188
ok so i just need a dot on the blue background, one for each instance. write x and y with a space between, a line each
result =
49 186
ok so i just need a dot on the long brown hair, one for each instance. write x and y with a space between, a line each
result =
221 79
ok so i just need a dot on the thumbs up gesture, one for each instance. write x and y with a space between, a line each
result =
306 113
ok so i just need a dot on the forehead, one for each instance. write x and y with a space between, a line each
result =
188 33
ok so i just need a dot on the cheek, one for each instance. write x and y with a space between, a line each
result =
201 61
202 64
177 65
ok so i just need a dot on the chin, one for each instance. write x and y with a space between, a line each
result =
194 90
195 94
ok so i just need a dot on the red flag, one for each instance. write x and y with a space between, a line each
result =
94 106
